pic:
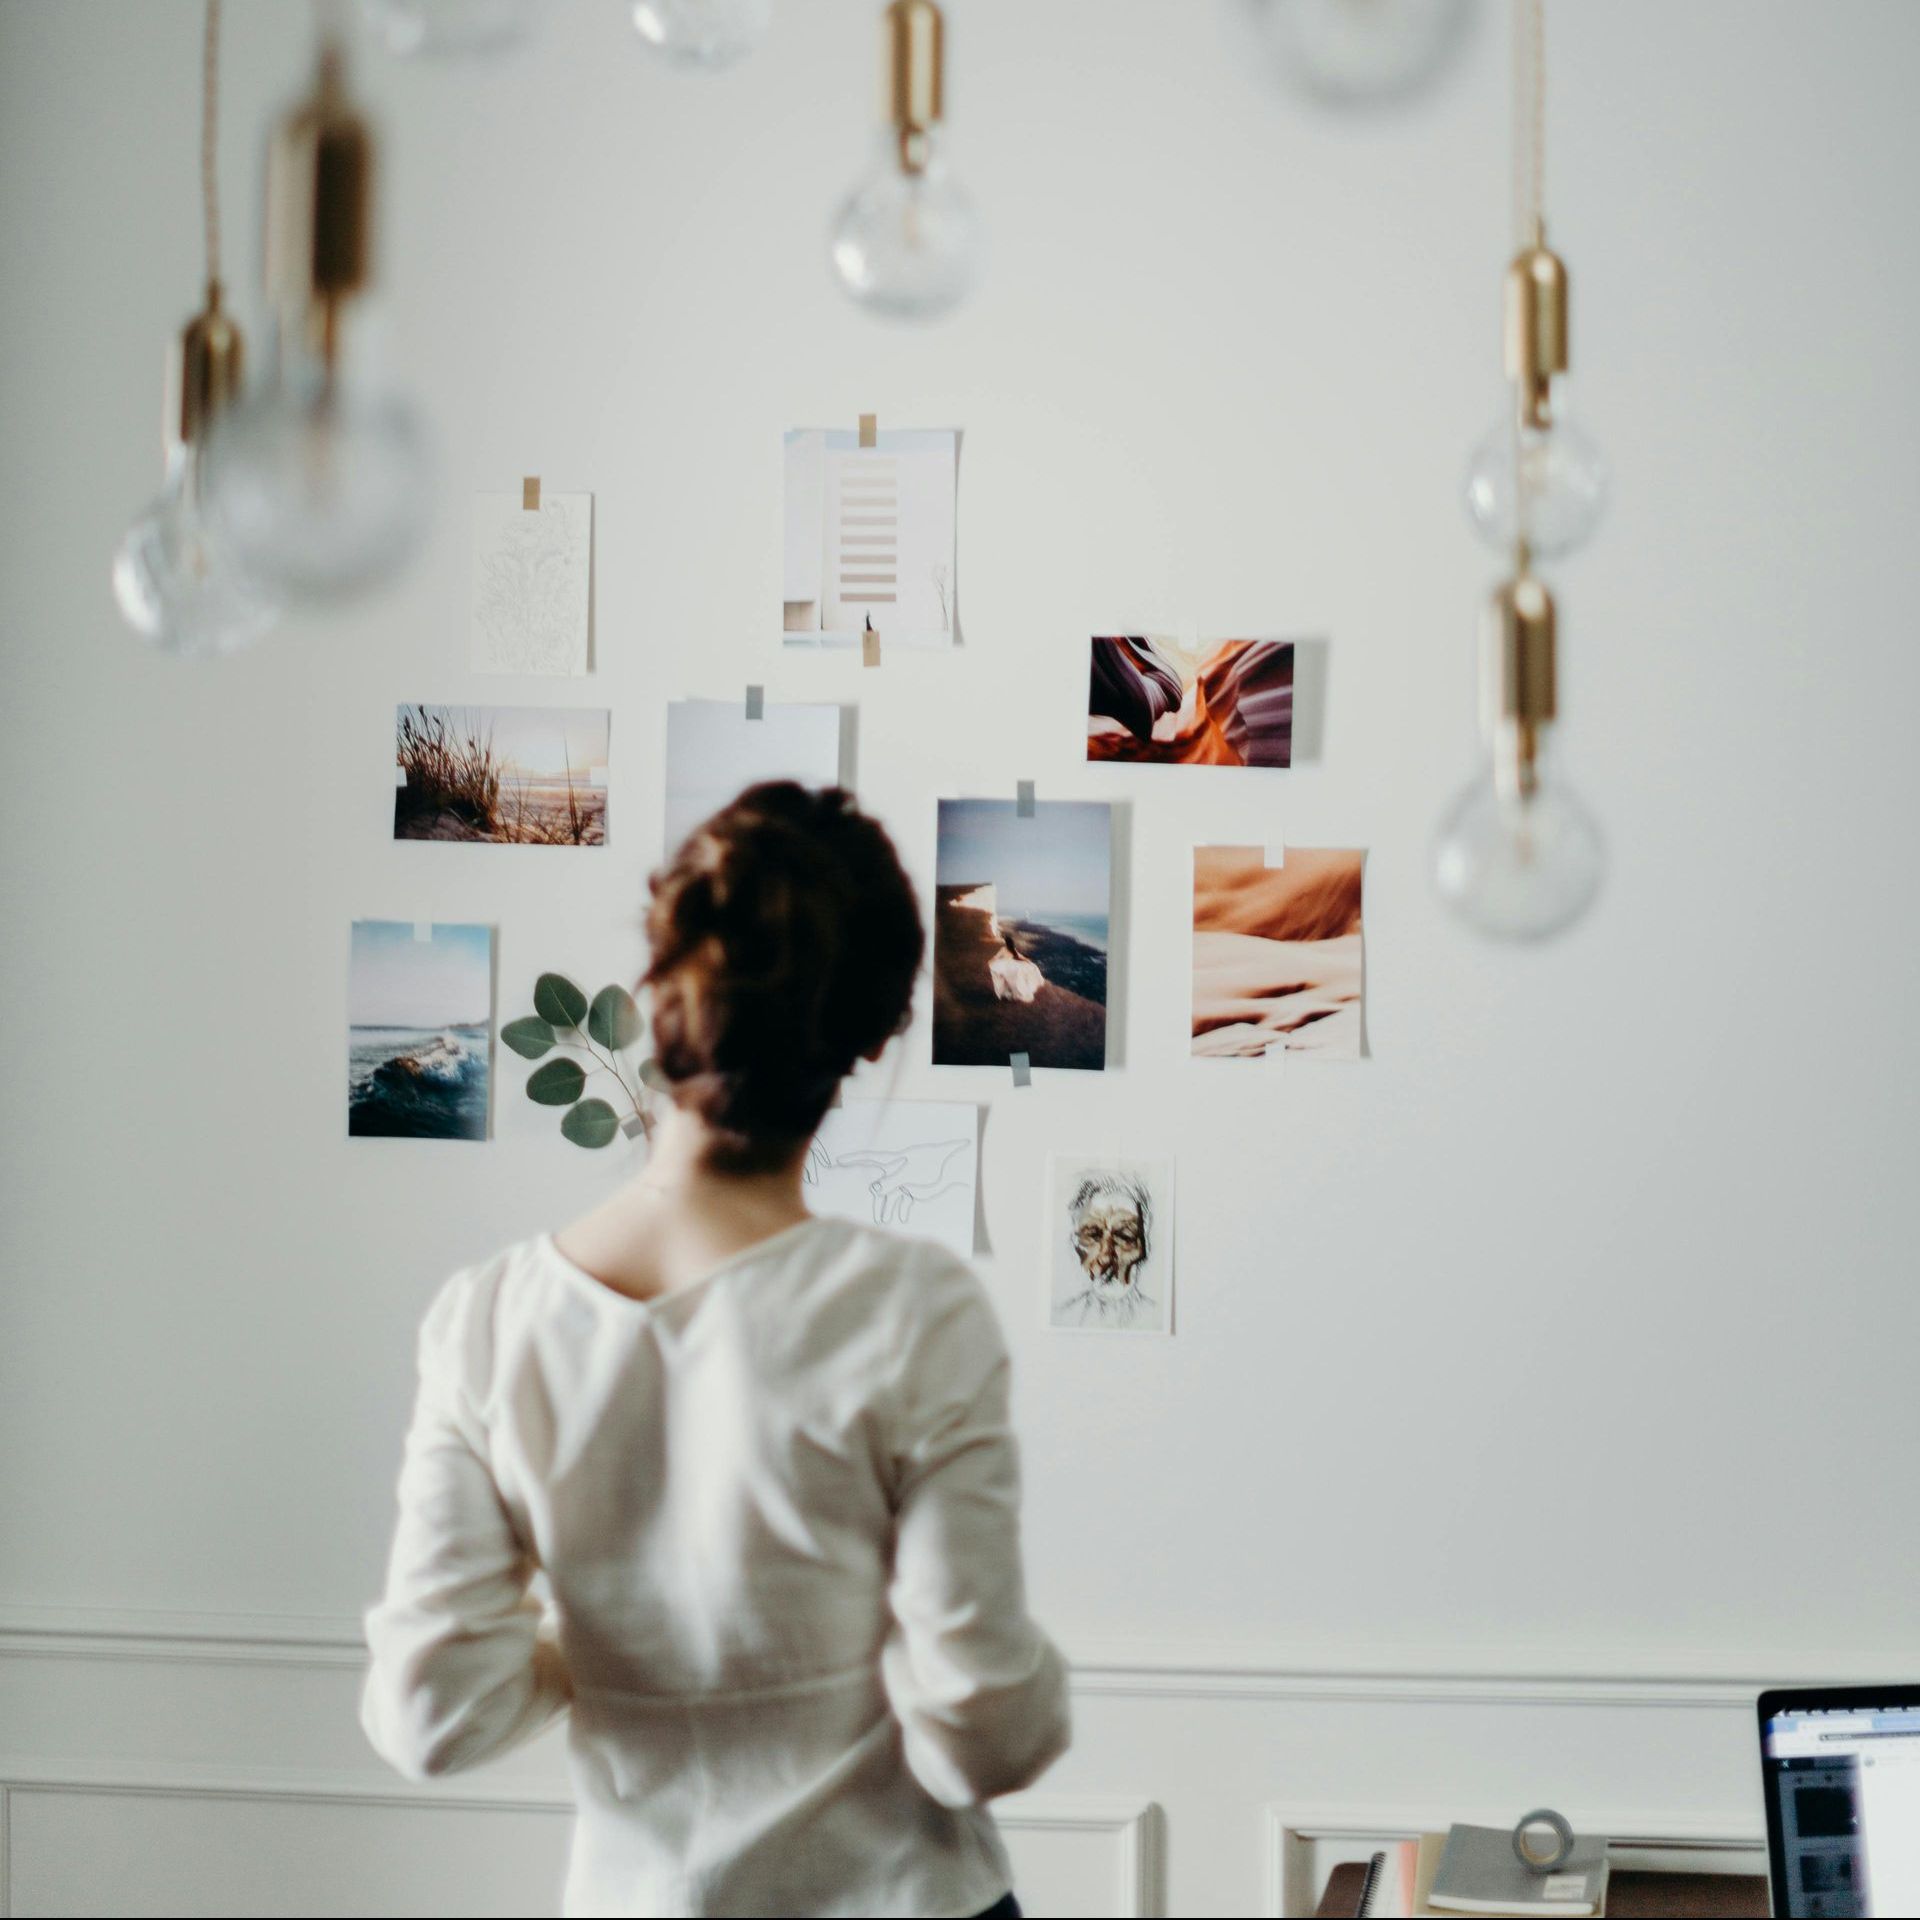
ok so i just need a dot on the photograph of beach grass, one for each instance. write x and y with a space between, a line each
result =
1224 703
420 1030
1277 963
527 776
1020 933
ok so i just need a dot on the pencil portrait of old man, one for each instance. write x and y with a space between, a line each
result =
1108 1263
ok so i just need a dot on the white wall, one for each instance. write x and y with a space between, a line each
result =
1536 1389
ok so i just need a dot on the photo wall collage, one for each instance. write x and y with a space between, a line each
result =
1021 915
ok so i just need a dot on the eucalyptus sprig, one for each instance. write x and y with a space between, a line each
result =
603 1032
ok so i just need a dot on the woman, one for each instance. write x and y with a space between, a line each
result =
763 1460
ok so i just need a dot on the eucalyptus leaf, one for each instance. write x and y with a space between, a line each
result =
557 1084
591 1124
613 1020
529 1038
558 1001
653 1075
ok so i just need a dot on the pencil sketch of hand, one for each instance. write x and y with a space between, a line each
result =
905 1177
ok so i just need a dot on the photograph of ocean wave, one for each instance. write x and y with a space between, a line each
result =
1022 912
420 1031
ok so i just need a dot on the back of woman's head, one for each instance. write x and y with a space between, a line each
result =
785 939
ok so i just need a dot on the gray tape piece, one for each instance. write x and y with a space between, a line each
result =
756 703
1529 1853
1023 800
1022 1065
633 1126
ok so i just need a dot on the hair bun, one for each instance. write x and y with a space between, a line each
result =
785 940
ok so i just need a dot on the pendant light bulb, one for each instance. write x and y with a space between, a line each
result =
177 584
1361 52
318 479
1518 856
435 29
1536 476
906 242
703 33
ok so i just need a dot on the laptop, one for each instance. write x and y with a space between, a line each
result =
1841 1772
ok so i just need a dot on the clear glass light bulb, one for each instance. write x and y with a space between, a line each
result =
703 33
177 584
907 244
448 27
1357 52
1565 476
319 479
1518 868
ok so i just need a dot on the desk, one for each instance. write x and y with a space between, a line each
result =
1657 1896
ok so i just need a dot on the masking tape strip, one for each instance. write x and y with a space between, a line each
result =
633 1126
869 648
869 429
1276 853
756 703
423 932
1023 800
1022 1065
530 493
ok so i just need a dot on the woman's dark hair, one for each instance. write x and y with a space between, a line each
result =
784 942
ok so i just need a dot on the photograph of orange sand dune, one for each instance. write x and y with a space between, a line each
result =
526 776
1225 703
1277 965
1020 933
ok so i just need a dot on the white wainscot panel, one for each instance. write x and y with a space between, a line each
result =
329 1847
1303 1848
1074 1859
195 1853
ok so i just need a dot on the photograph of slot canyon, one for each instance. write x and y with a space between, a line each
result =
1222 703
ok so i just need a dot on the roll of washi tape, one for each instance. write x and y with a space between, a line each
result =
1538 1852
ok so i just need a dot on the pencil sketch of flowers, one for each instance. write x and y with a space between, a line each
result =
531 581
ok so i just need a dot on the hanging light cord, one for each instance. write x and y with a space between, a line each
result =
1529 215
209 142
1529 124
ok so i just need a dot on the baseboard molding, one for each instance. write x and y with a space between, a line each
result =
1119 1668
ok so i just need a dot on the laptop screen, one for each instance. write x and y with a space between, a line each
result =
1843 1812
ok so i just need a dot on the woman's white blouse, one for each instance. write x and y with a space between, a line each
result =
779 1514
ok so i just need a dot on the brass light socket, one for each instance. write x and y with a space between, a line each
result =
1536 329
204 371
320 164
1519 696
913 76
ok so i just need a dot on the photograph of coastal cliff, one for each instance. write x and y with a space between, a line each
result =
1020 933
525 776
419 1030
1224 703
1277 961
